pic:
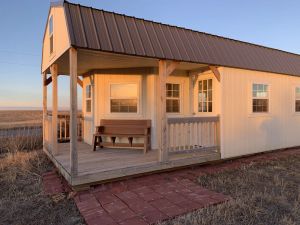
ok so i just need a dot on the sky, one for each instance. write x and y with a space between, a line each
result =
273 23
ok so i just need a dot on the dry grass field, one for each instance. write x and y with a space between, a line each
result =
22 201
16 118
262 194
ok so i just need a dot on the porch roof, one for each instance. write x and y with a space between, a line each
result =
100 30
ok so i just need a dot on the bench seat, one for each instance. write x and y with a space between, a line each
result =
123 128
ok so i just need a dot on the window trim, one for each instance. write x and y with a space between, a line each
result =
90 98
250 99
197 95
180 98
138 98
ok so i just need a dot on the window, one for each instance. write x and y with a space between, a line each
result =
173 98
297 99
88 98
260 98
123 98
205 95
51 33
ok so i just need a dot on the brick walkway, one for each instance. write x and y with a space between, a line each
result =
144 200
52 184
152 198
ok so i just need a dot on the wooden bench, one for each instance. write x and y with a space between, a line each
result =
123 128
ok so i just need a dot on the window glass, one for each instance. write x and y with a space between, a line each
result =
260 98
88 97
88 92
121 90
123 105
205 95
51 33
50 25
124 98
297 101
88 105
173 98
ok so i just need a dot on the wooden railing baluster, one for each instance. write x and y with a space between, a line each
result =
192 133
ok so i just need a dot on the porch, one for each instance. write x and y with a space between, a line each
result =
192 140
178 139
108 164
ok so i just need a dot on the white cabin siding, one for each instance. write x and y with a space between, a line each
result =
147 100
244 132
61 39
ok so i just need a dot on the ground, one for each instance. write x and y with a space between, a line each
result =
266 193
261 193
22 200
19 118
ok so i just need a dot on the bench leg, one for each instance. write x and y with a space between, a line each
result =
94 143
130 139
149 142
97 140
100 141
113 140
145 144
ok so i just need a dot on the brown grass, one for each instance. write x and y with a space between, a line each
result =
20 142
21 198
16 118
265 194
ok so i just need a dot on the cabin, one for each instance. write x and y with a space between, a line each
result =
157 97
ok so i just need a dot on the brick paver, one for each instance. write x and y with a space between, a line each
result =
153 198
52 184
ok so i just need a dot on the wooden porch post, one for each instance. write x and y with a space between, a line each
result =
44 106
73 112
54 71
92 80
192 78
165 68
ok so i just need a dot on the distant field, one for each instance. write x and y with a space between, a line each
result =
17 118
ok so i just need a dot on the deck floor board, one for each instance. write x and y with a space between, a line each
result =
104 159
110 163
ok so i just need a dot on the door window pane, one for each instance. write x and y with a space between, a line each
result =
205 95
173 98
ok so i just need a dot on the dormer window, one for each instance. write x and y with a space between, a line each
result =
51 34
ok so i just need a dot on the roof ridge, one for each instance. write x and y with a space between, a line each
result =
188 29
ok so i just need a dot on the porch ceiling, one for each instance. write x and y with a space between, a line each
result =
92 60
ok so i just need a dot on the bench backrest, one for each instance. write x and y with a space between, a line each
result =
125 126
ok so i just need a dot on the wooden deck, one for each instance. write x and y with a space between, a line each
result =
106 164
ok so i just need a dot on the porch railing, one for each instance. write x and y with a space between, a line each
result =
63 127
192 133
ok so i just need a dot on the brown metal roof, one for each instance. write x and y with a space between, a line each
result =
111 32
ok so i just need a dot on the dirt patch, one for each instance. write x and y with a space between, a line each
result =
262 193
21 198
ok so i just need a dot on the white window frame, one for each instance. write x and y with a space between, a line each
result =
295 99
51 35
197 94
88 98
138 97
250 99
175 98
